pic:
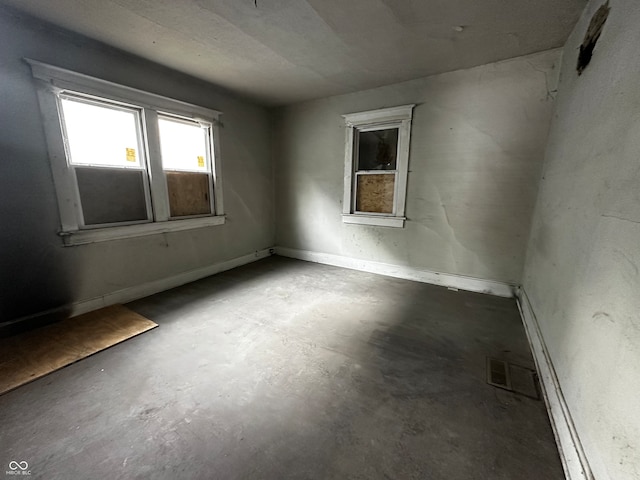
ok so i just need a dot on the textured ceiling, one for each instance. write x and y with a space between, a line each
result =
286 51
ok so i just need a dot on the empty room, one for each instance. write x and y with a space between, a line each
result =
320 239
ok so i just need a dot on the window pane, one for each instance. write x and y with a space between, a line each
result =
111 195
378 149
101 134
188 193
375 192
183 145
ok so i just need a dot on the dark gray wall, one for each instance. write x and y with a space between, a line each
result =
36 272
582 270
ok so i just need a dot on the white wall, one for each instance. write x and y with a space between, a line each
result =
477 147
36 271
582 270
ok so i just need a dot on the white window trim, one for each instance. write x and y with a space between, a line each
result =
50 82
397 117
83 237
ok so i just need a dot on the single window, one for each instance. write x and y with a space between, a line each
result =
376 166
186 161
103 146
127 162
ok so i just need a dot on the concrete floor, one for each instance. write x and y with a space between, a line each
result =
287 369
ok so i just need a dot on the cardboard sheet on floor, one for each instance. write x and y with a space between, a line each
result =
34 354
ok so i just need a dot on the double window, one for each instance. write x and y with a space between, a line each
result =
126 162
376 166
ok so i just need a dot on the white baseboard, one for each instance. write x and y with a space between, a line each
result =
574 460
139 291
400 271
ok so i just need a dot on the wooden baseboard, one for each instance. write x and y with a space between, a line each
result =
574 460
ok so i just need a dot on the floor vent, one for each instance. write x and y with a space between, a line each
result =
498 373
514 378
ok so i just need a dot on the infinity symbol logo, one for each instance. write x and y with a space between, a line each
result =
13 465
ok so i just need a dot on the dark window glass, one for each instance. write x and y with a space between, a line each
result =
378 149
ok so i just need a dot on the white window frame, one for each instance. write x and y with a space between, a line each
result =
51 83
395 117
209 161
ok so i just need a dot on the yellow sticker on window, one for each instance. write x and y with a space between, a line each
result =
131 154
200 161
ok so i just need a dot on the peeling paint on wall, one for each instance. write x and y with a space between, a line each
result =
582 270
591 37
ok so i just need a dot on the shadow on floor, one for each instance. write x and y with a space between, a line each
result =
288 369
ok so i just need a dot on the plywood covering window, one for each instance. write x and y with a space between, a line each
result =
376 166
127 162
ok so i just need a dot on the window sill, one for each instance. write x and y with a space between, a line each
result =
375 220
83 237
